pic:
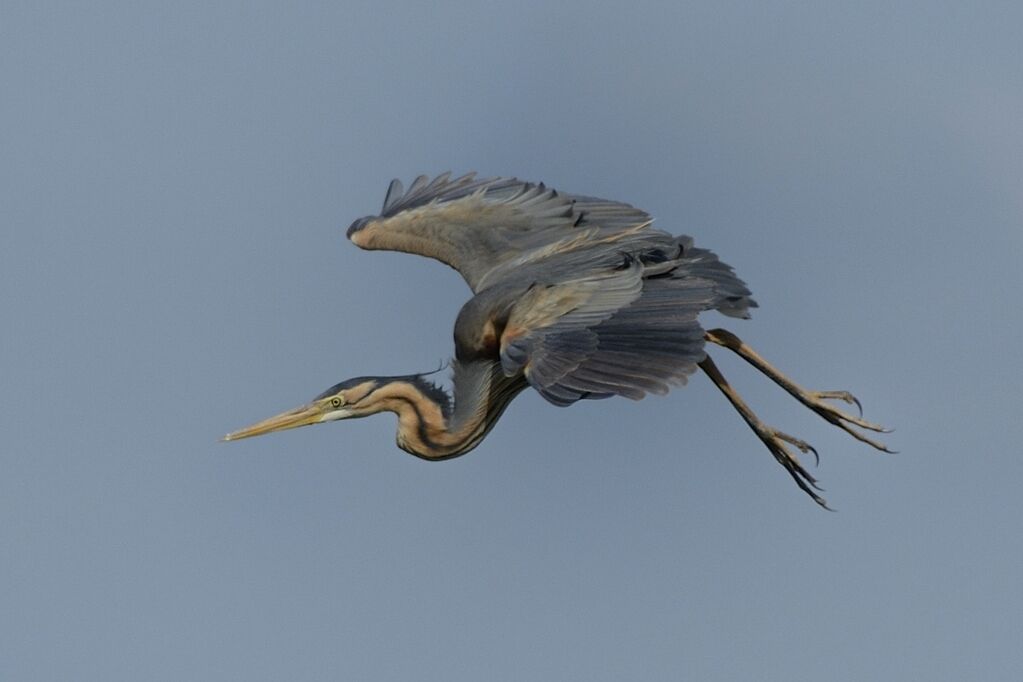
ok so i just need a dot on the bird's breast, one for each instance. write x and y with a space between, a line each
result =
480 325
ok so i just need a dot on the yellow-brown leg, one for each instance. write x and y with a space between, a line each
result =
815 400
774 439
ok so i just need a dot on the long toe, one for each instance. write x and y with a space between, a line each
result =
776 442
844 396
816 401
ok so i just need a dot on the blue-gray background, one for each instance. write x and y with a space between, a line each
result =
175 180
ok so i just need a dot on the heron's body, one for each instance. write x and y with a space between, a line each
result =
576 297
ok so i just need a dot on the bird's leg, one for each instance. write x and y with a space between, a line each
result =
774 439
815 400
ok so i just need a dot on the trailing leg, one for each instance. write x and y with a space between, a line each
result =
815 400
774 439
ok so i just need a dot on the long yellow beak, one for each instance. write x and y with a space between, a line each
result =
300 416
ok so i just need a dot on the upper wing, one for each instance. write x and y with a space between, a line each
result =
478 225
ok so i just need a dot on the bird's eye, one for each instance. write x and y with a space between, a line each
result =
336 402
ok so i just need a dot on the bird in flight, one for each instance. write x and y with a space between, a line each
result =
574 296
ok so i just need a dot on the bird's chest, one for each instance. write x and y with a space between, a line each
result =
479 340
481 323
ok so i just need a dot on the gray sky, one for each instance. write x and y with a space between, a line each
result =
175 183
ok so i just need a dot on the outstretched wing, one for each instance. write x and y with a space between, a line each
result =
478 225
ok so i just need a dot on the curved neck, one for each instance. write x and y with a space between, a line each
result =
429 430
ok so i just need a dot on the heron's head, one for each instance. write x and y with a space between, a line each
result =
359 397
353 398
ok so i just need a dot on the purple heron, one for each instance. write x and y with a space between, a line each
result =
577 297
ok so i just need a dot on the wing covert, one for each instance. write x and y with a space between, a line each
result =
476 225
602 336
548 329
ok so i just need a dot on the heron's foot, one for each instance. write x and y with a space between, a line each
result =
816 401
777 442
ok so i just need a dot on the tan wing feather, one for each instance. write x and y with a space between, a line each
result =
476 226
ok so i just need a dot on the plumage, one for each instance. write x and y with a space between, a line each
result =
476 226
575 296
595 301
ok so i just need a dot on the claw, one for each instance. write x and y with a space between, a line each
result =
775 441
803 446
842 420
863 439
844 396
